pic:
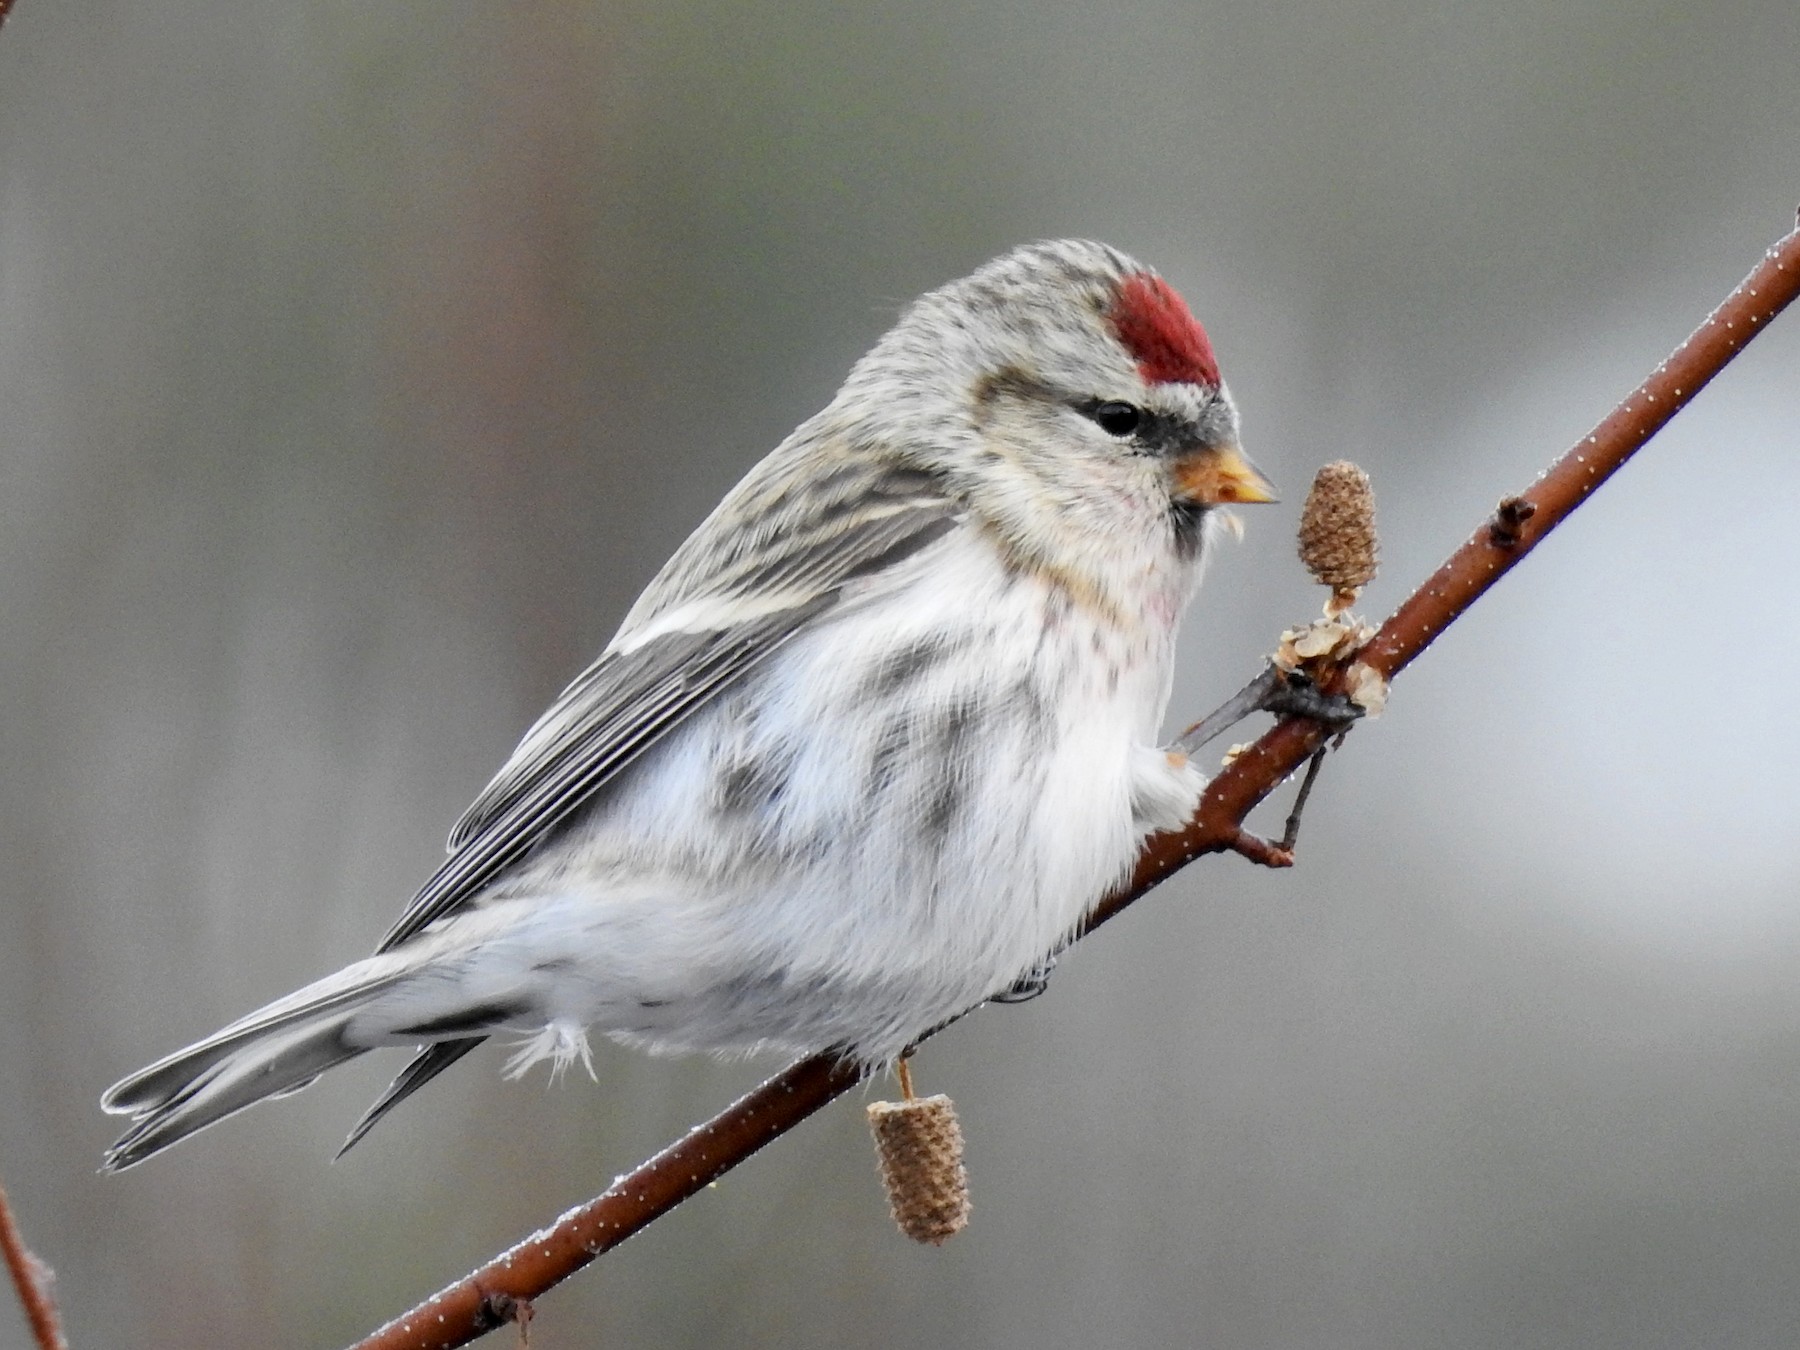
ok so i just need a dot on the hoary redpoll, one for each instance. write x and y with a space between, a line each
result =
865 751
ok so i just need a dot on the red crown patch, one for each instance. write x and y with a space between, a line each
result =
1161 333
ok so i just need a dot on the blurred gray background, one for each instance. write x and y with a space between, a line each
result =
358 363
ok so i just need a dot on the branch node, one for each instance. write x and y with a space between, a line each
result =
499 1307
1263 852
1509 517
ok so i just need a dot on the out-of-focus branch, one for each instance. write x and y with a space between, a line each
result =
490 1296
31 1277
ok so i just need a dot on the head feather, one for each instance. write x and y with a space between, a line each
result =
1161 333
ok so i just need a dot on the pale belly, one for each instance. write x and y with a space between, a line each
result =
905 811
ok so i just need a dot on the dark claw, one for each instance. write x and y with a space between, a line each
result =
1029 985
1295 695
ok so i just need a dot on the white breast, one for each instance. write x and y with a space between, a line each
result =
903 811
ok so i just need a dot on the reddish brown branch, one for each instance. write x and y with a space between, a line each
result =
483 1299
1518 524
31 1277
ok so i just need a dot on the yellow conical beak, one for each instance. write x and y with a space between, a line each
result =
1221 474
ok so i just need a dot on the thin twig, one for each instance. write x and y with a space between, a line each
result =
471 1306
31 1278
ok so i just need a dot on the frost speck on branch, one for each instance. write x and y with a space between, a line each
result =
485 1299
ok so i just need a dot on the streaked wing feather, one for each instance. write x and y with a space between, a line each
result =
864 521
633 695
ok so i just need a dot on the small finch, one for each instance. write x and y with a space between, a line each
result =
863 754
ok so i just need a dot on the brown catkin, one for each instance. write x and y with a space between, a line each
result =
919 1145
1337 530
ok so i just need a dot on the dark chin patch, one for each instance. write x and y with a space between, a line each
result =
1188 521
1161 333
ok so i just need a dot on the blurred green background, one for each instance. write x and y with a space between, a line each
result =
359 362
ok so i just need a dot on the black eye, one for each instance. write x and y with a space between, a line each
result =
1118 419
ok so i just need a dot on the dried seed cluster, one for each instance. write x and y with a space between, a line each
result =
1338 543
1339 546
919 1145
1325 644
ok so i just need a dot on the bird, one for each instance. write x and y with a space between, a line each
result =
863 753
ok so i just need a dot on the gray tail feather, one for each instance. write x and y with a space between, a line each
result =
284 1046
277 1049
149 1089
187 1092
425 1066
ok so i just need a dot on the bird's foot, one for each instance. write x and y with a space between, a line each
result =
1286 693
1029 985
